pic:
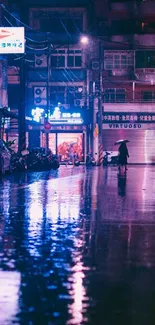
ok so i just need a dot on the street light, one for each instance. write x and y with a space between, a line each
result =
85 40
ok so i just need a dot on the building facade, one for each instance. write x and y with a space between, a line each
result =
56 76
62 73
128 32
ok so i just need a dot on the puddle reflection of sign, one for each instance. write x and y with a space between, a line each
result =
130 118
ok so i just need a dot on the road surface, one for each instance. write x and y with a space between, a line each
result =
77 247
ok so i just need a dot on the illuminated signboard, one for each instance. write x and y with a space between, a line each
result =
12 40
59 117
37 114
120 117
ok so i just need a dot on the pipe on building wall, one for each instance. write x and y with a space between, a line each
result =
133 90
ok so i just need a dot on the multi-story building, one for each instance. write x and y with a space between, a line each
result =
127 29
62 73
56 74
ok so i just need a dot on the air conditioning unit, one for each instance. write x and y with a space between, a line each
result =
40 96
95 65
40 60
79 102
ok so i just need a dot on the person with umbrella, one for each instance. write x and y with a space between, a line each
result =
123 153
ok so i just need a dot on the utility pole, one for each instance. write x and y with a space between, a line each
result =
22 105
48 90
21 111
100 102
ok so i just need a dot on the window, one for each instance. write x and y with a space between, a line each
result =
57 95
58 59
121 27
109 96
58 21
148 96
118 61
145 59
58 25
70 61
148 27
66 59
65 95
74 93
113 95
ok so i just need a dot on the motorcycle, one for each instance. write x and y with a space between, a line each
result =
40 161
110 158
18 163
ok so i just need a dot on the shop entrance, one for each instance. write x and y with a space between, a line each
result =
66 145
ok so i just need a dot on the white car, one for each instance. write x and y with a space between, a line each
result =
5 158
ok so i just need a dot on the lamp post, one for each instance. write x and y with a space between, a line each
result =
48 90
85 40
100 146
21 113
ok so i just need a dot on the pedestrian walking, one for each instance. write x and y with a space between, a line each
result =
123 155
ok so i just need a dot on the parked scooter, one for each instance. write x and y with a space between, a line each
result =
90 161
34 161
110 159
18 163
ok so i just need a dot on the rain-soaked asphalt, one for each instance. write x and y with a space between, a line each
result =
77 247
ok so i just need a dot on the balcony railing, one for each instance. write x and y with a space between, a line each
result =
144 7
129 106
133 101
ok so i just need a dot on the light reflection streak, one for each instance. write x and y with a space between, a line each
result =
66 204
52 212
35 213
6 198
9 296
78 293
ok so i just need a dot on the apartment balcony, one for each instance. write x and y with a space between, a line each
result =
145 75
145 8
135 106
137 40
142 9
120 73
128 106
144 40
122 7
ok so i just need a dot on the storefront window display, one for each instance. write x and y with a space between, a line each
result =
70 146
66 145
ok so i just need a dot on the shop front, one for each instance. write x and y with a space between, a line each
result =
138 128
66 143
67 135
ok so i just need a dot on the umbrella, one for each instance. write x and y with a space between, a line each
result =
121 141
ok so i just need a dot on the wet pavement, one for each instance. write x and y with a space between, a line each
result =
77 247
